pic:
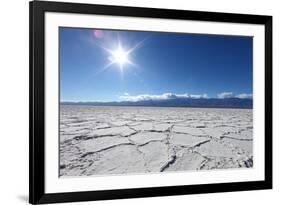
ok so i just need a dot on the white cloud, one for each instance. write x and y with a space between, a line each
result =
226 95
164 96
245 96
199 96
231 95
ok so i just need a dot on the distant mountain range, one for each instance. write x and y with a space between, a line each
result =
184 102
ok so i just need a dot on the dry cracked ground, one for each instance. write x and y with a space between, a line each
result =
120 140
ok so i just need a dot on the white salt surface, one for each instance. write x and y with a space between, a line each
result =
121 140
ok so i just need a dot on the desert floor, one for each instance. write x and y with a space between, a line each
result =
120 140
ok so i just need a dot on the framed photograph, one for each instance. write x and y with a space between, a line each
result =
141 102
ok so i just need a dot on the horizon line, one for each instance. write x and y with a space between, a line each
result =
118 101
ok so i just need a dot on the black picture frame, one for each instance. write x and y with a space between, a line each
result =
37 194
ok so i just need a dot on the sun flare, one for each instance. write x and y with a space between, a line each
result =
120 56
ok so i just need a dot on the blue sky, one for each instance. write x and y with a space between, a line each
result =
107 65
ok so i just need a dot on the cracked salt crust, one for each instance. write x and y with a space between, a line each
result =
122 140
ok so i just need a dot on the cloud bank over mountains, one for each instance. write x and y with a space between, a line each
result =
223 100
164 96
169 96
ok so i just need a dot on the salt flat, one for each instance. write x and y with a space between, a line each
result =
118 140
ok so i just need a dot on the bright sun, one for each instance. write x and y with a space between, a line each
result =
120 56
